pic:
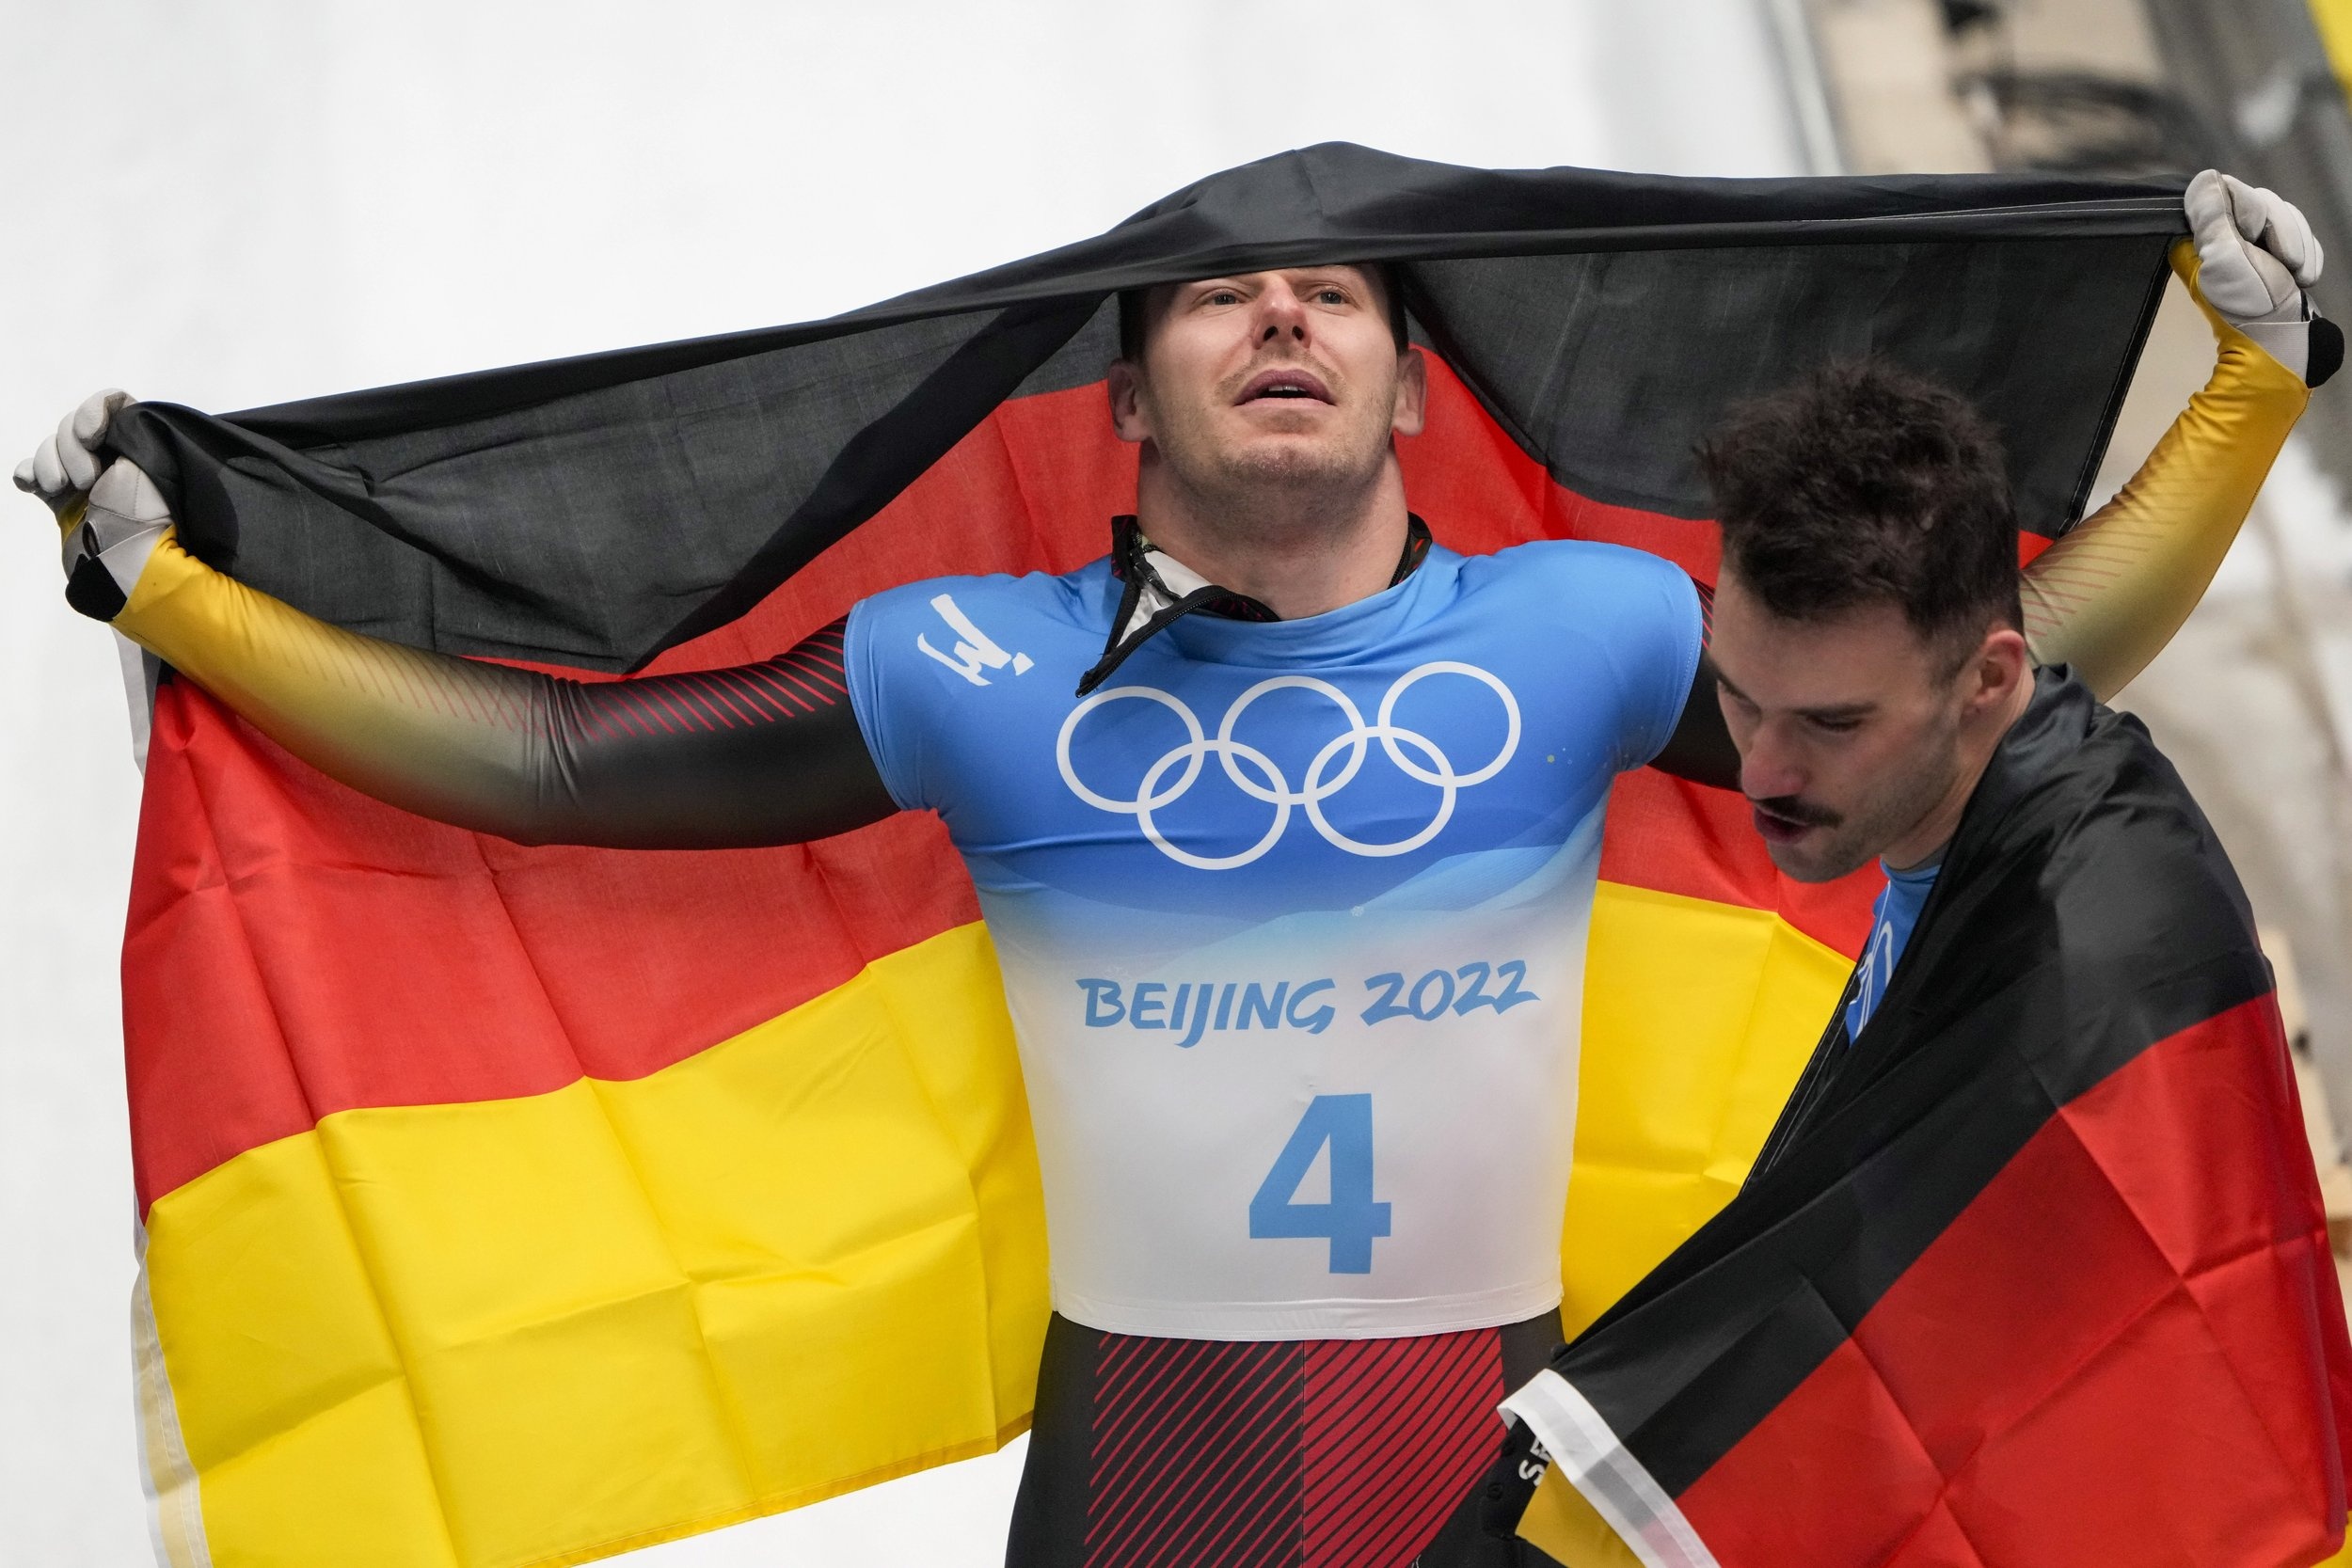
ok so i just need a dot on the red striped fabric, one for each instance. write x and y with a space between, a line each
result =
1197 1455
1326 1453
1398 1431
791 685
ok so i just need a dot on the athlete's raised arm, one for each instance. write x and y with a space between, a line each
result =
2106 597
2109 595
762 753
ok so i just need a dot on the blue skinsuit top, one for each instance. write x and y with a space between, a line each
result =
1291 917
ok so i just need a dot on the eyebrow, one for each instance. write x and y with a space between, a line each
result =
1320 276
1828 711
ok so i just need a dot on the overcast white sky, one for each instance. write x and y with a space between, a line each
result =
228 204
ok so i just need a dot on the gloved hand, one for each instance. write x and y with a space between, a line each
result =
110 520
2256 255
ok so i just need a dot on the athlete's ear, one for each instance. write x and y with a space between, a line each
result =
1412 393
1129 418
2000 664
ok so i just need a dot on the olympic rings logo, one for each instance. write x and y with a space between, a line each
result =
1257 775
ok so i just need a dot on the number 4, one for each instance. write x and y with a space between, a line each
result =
1351 1219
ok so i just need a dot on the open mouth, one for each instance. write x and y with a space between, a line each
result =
1774 828
1287 385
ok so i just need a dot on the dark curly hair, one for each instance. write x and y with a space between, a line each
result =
1133 301
1866 482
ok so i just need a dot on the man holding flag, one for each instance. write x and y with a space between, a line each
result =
1286 822
2060 1027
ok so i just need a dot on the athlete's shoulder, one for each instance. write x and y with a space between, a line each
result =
1585 579
1065 595
1575 559
949 662
986 614
1626 622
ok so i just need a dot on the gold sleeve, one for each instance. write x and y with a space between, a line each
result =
2107 596
433 734
758 755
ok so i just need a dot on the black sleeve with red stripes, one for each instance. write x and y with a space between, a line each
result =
756 755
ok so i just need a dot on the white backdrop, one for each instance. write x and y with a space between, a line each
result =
228 204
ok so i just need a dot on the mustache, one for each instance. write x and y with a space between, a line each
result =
1797 809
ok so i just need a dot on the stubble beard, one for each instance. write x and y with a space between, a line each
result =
1894 808
1276 491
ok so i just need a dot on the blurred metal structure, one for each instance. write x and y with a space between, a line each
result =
2130 87
1809 109
2249 84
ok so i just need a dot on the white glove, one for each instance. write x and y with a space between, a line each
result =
64 467
122 514
2256 255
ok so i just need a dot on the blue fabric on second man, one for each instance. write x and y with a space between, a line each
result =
1896 912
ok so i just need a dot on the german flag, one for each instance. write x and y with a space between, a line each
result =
511 1206
2032 1272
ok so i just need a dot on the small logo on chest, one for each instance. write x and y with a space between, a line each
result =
975 650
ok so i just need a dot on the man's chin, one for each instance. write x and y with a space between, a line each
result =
1291 464
1814 858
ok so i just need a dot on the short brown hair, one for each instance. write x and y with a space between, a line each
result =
1133 302
1865 483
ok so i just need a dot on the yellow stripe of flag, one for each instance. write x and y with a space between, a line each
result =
546 1329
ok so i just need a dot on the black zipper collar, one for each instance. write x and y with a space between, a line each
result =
1132 562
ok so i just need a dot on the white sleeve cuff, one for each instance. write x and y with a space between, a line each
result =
1590 1458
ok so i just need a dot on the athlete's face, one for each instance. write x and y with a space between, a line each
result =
1857 736
1269 379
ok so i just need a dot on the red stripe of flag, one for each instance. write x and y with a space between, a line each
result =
314 930
2133 1387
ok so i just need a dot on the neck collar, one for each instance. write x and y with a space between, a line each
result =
1161 590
